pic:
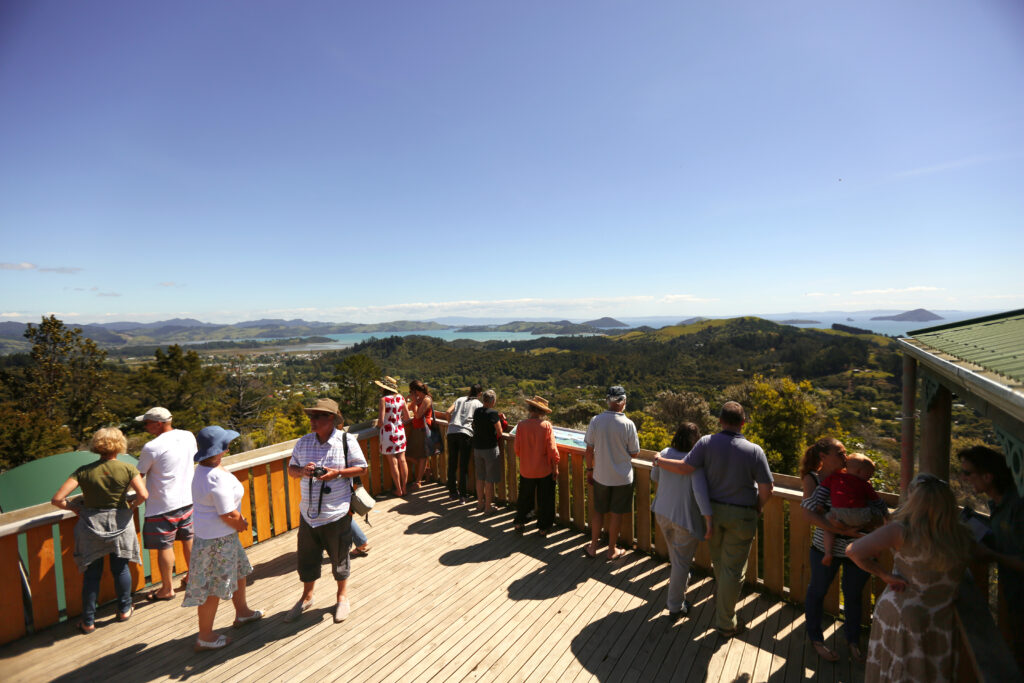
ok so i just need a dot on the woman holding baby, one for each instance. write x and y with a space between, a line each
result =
822 460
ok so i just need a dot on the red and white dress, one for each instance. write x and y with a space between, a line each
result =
392 431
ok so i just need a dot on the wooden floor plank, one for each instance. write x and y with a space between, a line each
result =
446 594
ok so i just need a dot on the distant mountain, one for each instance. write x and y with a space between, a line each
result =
605 322
559 327
691 321
918 315
839 327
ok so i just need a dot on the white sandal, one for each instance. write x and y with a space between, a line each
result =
204 646
242 621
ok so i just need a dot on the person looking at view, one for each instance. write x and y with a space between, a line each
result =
391 428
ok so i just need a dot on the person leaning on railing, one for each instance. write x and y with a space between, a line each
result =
538 467
822 459
105 526
912 625
219 564
985 470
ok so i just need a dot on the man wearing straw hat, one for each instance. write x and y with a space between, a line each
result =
538 466
319 459
611 444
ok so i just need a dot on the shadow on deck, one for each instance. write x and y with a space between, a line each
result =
446 594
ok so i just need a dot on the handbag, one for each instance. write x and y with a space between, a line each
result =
361 502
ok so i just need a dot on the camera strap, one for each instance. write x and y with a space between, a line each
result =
323 486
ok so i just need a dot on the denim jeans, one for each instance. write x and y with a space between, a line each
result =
854 579
91 586
358 537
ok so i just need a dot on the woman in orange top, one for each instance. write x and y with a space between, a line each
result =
538 467
422 415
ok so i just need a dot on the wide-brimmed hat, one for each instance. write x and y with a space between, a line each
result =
155 414
540 403
388 383
324 405
213 441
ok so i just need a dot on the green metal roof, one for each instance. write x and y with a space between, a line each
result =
36 481
994 342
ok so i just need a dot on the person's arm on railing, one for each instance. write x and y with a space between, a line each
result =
865 551
764 493
60 499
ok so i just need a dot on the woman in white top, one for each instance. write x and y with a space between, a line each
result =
219 565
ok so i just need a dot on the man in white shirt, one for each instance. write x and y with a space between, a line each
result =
325 460
166 463
611 444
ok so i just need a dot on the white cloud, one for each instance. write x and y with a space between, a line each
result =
683 298
17 266
903 290
946 166
63 270
108 294
11 315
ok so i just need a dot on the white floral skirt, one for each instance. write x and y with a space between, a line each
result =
217 566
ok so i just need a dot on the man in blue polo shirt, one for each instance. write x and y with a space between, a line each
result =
739 485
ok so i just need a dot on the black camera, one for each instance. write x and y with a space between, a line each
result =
319 471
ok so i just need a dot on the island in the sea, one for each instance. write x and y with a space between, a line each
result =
605 322
797 321
918 315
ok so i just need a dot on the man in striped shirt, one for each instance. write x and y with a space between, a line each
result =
325 460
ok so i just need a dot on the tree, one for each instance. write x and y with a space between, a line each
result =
780 414
674 408
195 393
247 395
67 379
355 375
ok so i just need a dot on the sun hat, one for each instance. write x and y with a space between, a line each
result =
539 403
213 441
388 384
155 414
325 405
616 393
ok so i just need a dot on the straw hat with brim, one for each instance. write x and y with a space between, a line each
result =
539 403
325 405
213 441
388 384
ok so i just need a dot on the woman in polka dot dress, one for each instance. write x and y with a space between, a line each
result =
392 432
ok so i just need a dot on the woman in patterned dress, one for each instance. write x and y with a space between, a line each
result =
391 422
912 629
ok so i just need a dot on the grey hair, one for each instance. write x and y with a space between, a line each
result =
489 396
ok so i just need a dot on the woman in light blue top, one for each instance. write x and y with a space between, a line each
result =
683 510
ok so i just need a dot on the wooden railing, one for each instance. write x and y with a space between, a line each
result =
778 559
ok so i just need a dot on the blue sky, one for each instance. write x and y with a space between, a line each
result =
376 161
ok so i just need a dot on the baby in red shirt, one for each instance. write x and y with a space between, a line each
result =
850 492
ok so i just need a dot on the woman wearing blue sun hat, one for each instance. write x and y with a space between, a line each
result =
219 565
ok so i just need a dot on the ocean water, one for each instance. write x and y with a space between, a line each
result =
344 341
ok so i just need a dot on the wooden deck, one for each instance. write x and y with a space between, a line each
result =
446 594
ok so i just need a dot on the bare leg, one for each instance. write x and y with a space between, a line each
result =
186 550
165 560
207 611
489 496
614 524
596 522
307 590
342 587
238 600
403 471
480 496
421 466
393 468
